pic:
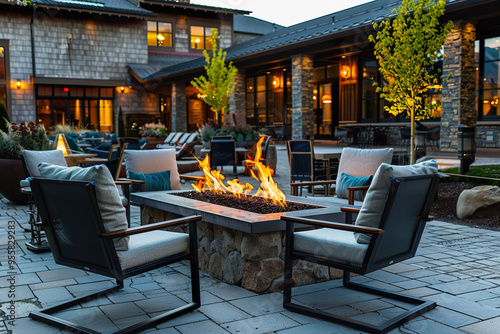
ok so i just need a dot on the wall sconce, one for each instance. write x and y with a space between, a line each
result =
201 96
327 98
18 84
122 89
346 72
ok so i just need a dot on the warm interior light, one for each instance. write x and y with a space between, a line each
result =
314 97
122 89
160 37
346 71
201 96
197 40
327 98
61 145
18 84
268 188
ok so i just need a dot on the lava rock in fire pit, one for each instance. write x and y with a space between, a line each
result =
251 204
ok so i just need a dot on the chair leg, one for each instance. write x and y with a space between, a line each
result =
422 306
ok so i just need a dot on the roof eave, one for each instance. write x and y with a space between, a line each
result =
184 5
100 12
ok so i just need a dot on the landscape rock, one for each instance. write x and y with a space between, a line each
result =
482 201
261 246
215 265
259 275
307 273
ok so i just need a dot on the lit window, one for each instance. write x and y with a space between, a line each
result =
201 38
159 34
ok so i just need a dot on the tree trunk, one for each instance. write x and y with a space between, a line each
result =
412 137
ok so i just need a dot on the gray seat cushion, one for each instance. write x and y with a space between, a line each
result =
340 246
110 205
374 203
152 246
34 158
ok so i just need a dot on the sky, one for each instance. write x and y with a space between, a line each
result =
284 12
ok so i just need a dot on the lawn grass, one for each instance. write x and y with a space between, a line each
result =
488 171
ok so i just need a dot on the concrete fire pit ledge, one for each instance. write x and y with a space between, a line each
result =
241 247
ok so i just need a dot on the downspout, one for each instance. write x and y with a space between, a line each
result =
33 63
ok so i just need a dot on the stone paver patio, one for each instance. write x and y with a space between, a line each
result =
456 266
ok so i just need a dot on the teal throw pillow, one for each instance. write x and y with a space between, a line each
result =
345 181
154 181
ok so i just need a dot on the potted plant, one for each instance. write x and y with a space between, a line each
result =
12 143
244 136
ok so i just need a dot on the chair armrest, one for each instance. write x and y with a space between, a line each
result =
352 190
192 177
349 209
337 226
150 227
123 182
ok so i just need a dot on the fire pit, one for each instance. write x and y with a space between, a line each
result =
238 246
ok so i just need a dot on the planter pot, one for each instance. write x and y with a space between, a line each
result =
12 173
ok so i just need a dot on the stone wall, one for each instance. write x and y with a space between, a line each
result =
253 261
487 136
459 83
179 111
302 90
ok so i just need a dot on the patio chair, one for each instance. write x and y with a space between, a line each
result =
81 230
356 165
133 143
222 152
305 169
387 230
112 153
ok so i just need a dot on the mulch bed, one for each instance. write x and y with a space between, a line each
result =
445 207
252 204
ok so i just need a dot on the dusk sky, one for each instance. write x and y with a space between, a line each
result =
284 12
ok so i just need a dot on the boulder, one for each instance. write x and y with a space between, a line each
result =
259 275
482 201
262 246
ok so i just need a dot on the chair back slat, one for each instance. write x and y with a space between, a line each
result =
222 152
404 219
72 223
300 154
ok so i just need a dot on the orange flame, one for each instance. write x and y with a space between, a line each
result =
268 188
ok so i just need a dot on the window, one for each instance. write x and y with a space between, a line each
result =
491 76
86 107
159 34
201 38
266 98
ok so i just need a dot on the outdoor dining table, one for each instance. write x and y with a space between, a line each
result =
76 159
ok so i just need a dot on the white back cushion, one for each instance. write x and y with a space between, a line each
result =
363 162
376 197
34 158
154 161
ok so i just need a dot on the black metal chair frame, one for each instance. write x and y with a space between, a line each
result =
227 143
377 256
306 176
57 207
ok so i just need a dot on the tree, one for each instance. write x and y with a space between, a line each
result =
219 83
406 49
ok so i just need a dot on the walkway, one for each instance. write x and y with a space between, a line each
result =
456 266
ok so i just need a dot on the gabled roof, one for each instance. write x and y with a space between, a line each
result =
253 25
184 5
326 27
112 7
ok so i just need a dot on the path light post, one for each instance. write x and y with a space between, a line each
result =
466 147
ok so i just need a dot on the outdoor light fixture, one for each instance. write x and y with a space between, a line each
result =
346 71
420 144
466 150
18 84
327 98
122 89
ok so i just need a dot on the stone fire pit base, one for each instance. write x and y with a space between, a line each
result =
253 261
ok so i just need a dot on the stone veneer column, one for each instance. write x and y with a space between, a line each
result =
179 120
237 104
302 92
459 83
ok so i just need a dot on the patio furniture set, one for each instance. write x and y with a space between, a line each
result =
87 226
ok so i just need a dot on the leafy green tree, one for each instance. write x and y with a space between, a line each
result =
4 118
219 82
406 48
